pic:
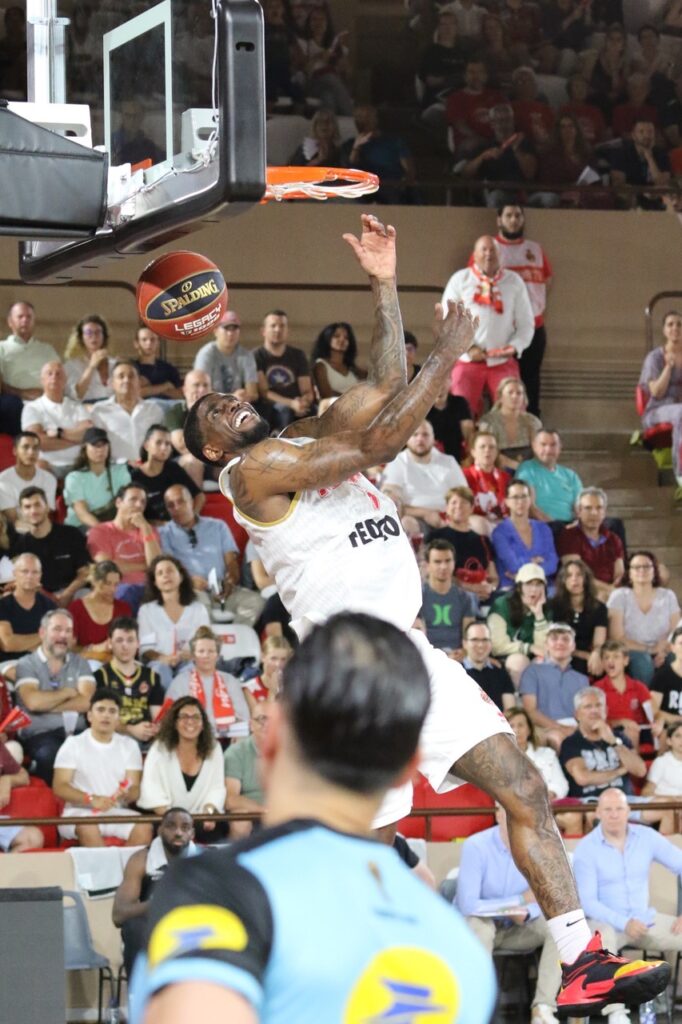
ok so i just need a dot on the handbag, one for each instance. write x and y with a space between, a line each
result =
471 572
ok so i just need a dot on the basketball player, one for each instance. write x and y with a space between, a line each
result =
312 920
333 542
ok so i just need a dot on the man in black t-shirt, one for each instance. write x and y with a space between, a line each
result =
666 685
61 549
138 685
595 757
21 611
493 680
452 422
283 374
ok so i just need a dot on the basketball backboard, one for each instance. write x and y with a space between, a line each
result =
174 93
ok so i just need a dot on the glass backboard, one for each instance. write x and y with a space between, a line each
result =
174 92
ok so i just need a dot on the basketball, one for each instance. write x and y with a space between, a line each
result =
182 296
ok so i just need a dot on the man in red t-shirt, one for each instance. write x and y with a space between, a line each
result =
468 109
590 540
628 701
129 541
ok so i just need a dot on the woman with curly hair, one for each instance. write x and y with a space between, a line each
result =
87 362
169 618
184 768
333 360
575 602
642 614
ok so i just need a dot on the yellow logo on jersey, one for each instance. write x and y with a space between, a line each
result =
404 985
191 929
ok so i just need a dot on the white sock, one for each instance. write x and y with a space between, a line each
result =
571 934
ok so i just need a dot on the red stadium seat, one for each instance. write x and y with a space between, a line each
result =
675 158
447 828
659 436
218 507
36 801
6 451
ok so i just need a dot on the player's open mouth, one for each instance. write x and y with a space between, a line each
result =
241 417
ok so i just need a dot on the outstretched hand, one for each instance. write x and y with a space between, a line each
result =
456 328
375 249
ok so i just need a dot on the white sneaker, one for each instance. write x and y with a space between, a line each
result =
543 1014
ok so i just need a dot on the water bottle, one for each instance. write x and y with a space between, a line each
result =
647 1013
114 1013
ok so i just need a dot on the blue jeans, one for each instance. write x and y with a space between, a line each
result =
641 666
42 749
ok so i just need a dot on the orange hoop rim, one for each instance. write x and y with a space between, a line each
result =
317 183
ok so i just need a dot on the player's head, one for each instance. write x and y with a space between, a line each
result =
354 698
220 426
176 830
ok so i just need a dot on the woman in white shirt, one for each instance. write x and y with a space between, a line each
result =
544 758
184 768
169 618
87 362
642 614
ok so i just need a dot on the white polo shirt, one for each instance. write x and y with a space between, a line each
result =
45 413
126 430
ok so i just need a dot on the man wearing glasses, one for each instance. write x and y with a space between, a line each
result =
203 544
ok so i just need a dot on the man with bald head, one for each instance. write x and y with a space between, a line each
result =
612 866
202 543
506 325
60 422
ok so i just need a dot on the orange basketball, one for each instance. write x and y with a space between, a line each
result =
181 296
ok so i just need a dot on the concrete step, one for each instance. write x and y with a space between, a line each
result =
628 502
656 531
670 554
600 469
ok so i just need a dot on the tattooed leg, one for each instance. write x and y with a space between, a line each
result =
498 766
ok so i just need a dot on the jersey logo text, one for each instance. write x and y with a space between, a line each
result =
374 529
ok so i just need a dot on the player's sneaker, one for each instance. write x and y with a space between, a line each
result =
598 978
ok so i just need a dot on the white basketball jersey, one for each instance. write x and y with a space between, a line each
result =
337 549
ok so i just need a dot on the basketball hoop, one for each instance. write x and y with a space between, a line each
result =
318 183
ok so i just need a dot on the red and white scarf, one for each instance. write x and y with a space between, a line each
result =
488 293
223 708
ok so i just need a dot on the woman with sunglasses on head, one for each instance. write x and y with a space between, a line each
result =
642 614
184 768
91 487
93 613
156 472
87 362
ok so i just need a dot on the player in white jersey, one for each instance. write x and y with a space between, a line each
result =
333 543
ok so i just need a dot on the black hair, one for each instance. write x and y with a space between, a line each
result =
93 318
356 693
410 339
26 433
32 492
186 594
106 693
193 433
175 810
125 622
130 486
323 344
155 427
503 207
439 544
561 602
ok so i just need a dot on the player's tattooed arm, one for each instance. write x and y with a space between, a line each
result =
387 374
275 468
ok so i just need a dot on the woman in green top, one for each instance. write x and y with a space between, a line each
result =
518 621
90 488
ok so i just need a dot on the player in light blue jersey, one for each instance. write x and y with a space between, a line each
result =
312 921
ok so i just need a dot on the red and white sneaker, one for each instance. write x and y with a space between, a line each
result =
598 978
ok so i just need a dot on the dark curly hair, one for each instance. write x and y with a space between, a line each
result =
152 592
168 731
561 602
323 344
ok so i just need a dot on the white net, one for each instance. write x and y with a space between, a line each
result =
334 185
